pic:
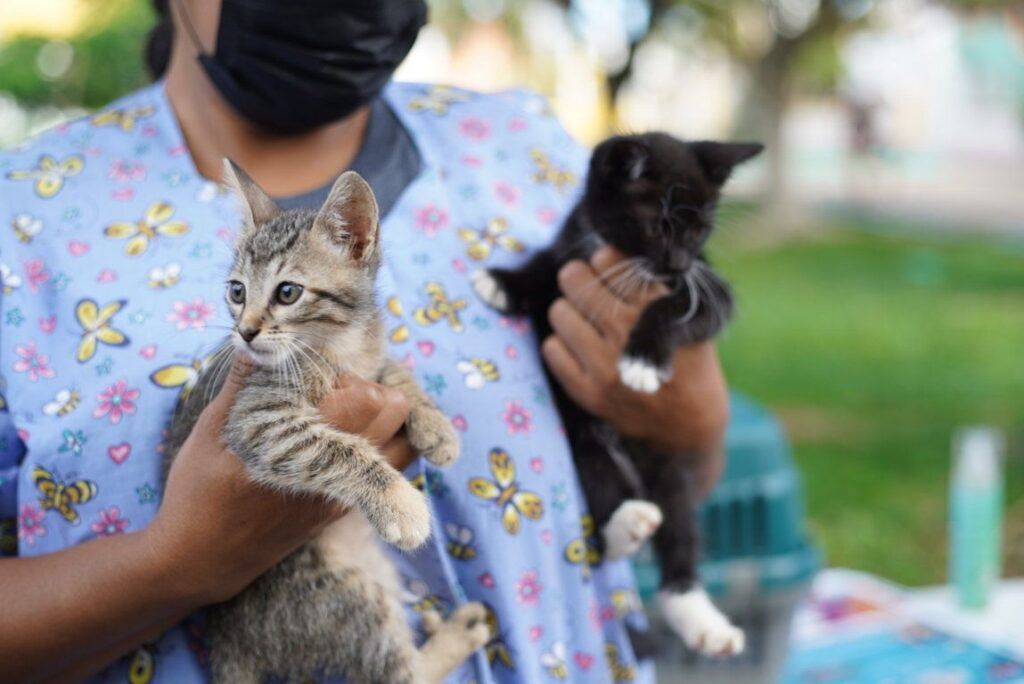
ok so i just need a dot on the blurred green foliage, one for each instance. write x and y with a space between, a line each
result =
106 59
875 341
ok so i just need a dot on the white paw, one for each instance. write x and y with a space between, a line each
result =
488 289
630 526
406 515
701 625
639 375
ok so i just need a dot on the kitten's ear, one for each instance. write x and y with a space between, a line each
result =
350 217
257 207
626 159
718 159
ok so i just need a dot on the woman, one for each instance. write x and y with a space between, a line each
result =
113 274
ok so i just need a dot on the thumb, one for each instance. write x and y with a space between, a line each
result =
240 369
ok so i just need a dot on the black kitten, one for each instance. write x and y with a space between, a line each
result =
652 197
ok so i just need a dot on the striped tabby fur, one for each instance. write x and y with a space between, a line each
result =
334 606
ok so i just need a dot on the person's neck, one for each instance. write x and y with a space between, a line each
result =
282 165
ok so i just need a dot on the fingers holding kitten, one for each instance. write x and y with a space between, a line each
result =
376 411
612 317
590 349
570 374
359 406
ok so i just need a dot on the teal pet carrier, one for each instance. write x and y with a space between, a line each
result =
757 559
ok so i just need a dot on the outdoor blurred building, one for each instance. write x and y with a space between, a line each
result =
909 106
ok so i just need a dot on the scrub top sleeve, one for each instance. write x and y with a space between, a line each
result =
12 447
12 450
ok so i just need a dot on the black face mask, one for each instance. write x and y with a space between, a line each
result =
290 66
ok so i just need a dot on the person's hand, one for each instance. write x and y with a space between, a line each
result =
375 411
217 530
591 326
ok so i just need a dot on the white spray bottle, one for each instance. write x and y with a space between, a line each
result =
975 520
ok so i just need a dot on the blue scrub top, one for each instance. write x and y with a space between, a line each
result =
113 254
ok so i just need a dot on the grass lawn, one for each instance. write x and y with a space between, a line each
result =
874 344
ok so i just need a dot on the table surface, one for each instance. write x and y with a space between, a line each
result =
1001 622
858 628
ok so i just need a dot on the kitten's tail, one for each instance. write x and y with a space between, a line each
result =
644 643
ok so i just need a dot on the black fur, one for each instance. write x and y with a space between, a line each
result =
654 197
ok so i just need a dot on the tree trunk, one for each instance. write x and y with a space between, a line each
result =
765 114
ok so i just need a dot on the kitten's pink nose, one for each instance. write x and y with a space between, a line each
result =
248 334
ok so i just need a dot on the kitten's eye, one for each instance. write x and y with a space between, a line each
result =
288 293
236 292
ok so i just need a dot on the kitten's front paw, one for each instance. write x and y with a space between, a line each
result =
489 290
402 516
466 628
431 434
700 624
470 621
630 526
640 375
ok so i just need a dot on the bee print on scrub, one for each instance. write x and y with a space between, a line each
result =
626 602
460 541
62 496
620 670
477 372
11 280
582 551
554 661
64 402
505 493
165 277
496 649
423 600
26 227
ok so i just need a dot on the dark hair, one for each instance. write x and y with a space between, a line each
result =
158 46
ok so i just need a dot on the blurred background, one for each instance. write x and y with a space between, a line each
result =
877 250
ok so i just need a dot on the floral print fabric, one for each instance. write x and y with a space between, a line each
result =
113 254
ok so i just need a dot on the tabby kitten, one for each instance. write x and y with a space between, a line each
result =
652 197
301 293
